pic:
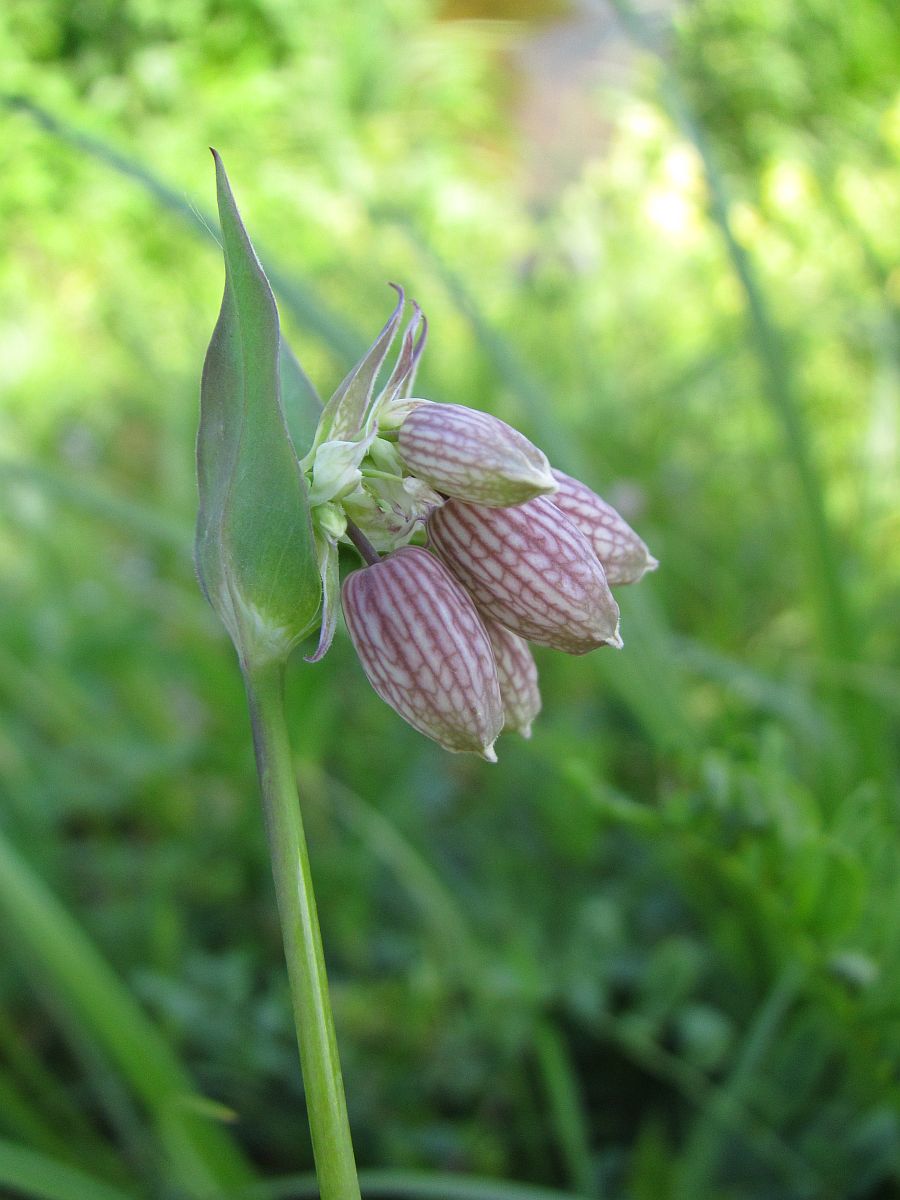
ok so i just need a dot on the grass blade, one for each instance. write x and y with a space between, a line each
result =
706 1143
839 630
566 1107
201 1155
144 522
298 296
36 1175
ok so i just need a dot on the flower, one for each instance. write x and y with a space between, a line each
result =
516 551
624 555
531 570
518 678
425 650
473 456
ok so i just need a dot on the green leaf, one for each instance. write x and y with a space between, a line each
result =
255 551
199 1155
29 1173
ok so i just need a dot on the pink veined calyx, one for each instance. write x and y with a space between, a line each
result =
473 544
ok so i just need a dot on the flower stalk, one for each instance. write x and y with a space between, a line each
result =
366 550
322 1080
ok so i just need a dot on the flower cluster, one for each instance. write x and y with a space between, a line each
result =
509 551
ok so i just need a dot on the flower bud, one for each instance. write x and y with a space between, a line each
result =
330 520
389 511
424 649
472 455
531 569
385 457
335 470
517 673
625 557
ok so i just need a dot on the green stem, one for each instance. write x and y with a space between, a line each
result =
565 1107
325 1102
375 473
367 551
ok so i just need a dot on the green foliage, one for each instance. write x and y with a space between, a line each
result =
657 948
256 555
32 1174
196 1155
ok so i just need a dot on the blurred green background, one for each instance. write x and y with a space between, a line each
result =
655 953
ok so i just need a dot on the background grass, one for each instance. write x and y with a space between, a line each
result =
656 952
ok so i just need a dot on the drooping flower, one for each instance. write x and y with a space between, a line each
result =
520 551
530 569
425 650
472 456
517 673
624 555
